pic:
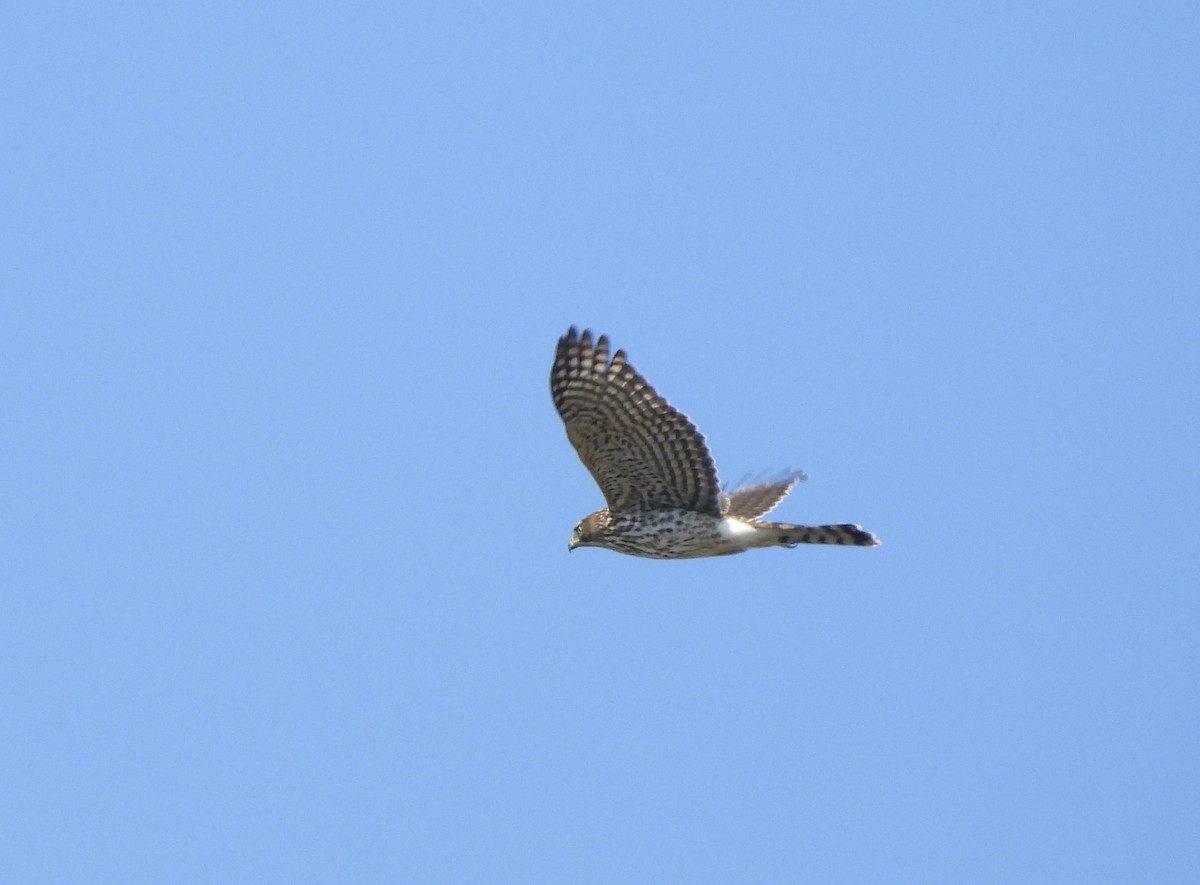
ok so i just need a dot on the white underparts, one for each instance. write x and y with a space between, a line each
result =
735 529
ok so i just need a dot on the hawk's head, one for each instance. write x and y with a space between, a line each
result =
590 532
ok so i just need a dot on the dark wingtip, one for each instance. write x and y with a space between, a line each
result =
586 341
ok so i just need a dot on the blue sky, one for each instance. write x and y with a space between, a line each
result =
285 588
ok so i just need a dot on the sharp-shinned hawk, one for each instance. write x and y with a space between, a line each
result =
655 470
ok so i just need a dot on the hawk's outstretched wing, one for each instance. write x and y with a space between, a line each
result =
753 501
643 453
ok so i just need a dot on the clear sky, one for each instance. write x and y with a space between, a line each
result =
284 587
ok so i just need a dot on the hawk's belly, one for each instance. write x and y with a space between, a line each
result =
678 534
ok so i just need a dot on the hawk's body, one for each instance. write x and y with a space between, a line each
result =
655 470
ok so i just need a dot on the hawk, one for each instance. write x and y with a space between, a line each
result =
655 470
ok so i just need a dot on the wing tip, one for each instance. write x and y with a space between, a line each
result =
593 345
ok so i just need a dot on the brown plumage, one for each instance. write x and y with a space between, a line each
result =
655 470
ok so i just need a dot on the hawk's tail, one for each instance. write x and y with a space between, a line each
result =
788 535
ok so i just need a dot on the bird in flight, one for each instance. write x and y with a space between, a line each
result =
655 470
